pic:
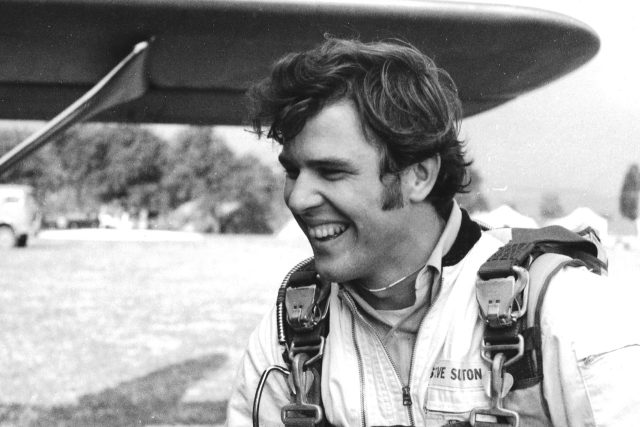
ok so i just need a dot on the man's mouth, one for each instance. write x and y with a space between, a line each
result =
326 232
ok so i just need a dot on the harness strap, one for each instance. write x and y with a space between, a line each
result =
305 411
533 242
551 268
505 294
305 299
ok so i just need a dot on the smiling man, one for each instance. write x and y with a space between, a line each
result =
373 161
356 224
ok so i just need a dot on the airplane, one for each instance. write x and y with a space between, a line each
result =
190 61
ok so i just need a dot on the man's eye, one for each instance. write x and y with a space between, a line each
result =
332 174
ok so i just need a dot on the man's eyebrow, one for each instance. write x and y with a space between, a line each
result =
325 162
332 162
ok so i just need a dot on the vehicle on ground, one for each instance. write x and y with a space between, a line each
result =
20 216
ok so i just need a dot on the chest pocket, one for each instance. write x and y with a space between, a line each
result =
455 388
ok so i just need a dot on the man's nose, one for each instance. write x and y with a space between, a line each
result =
302 194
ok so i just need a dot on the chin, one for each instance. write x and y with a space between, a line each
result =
333 270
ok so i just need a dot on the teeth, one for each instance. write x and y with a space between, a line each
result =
327 231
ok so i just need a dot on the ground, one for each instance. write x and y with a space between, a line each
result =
107 329
109 332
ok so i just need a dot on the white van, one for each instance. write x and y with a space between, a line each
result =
19 215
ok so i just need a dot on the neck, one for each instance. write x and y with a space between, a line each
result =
397 295
394 287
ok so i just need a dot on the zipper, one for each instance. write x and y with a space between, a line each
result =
406 396
406 390
413 358
363 415
415 343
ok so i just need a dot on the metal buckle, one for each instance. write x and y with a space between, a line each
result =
488 348
501 383
303 312
297 414
301 412
496 297
306 349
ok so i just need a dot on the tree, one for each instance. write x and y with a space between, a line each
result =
237 191
94 164
550 206
39 170
629 193
198 164
106 162
254 186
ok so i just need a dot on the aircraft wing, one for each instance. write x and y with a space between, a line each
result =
206 53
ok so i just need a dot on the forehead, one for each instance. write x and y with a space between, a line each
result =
335 132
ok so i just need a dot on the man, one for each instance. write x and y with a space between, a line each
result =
373 159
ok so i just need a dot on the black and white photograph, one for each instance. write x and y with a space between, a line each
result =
355 213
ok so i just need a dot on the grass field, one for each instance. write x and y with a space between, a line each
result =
111 333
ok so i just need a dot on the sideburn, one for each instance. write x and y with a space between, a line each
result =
391 192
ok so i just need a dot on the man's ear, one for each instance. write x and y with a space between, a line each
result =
422 178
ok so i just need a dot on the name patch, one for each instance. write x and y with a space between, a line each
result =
455 386
457 374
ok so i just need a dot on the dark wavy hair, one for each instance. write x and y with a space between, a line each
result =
409 108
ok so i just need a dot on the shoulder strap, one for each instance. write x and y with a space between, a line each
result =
528 370
302 309
512 283
525 243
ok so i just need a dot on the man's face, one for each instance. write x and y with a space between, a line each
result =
334 191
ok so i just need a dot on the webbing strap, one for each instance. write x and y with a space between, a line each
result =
525 242
552 234
501 263
305 292
306 300
537 316
527 371
544 253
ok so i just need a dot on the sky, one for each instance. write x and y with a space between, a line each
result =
577 136
578 133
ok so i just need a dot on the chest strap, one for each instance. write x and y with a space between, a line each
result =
510 289
305 300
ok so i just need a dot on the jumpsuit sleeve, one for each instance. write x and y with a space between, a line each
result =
262 352
591 350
